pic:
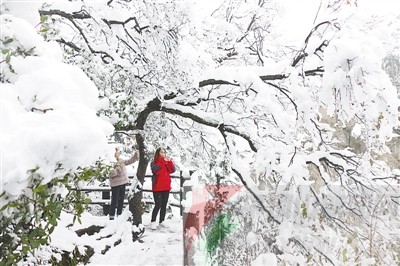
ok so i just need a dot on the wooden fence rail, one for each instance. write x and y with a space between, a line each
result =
105 200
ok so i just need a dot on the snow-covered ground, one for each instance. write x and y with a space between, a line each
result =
163 246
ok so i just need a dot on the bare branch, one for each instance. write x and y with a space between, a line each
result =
285 92
302 54
69 44
247 187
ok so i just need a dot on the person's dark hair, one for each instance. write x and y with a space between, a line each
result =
157 153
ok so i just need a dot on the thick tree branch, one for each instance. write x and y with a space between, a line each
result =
71 18
215 82
123 23
319 71
274 77
208 82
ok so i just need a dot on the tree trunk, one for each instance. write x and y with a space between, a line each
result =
135 203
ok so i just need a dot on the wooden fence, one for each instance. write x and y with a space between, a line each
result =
105 200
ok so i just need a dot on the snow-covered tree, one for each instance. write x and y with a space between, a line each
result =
307 119
300 113
52 141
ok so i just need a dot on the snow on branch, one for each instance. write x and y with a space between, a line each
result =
272 77
71 17
303 53
205 119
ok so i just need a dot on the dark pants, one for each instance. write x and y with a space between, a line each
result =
160 202
117 199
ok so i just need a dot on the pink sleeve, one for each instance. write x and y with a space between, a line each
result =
115 172
133 159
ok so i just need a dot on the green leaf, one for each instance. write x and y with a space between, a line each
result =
25 249
344 254
34 244
8 58
5 51
53 220
7 41
43 241
4 207
14 204
39 189
43 19
51 229
24 239
303 210
351 238
31 171
87 201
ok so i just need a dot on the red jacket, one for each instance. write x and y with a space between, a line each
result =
161 174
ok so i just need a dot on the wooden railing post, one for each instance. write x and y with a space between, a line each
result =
181 191
187 260
106 195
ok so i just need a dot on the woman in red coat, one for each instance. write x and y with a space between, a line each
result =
162 167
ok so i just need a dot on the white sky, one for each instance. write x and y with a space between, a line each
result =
381 6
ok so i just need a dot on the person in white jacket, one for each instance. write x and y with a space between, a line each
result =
118 180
